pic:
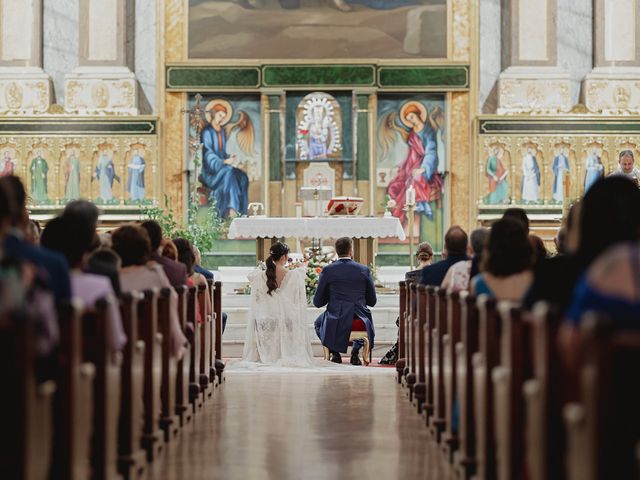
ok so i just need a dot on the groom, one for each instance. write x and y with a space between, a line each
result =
346 288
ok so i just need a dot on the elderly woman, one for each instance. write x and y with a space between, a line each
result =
132 244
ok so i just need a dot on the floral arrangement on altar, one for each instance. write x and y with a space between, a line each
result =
314 265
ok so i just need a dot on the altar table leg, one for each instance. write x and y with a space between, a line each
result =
263 246
363 251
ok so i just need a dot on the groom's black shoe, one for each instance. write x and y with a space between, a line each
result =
335 357
355 359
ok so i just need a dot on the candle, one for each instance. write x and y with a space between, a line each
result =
298 209
410 196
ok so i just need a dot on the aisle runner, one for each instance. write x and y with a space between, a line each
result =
236 366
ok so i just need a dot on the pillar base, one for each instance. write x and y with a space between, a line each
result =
613 90
24 91
534 90
101 91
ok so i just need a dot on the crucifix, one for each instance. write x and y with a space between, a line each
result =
196 115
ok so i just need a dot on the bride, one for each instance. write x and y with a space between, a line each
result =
276 331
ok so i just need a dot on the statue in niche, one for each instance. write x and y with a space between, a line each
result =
561 168
39 169
420 167
594 169
8 164
228 184
105 173
318 128
497 176
530 177
135 176
72 176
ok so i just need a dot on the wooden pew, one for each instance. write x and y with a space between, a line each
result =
169 421
73 400
183 411
411 376
211 290
449 366
464 459
508 381
401 362
26 405
544 432
420 319
407 337
217 308
194 334
439 328
429 313
152 436
97 332
205 344
603 430
132 460
484 360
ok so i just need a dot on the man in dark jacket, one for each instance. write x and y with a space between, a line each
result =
176 272
455 250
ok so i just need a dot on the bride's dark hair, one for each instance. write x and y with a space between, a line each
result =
278 249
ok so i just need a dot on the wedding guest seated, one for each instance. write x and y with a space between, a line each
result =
459 275
199 268
132 244
73 239
608 214
540 252
105 240
560 241
175 271
169 250
188 259
33 232
518 214
16 246
105 262
455 250
507 265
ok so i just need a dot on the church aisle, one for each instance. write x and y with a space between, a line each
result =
305 426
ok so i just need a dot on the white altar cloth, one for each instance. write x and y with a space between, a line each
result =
316 227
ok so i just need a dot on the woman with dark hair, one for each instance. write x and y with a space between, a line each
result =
506 269
132 244
276 328
187 257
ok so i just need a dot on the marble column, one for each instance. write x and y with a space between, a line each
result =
103 83
613 87
25 89
533 83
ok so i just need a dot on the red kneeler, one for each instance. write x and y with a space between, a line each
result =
358 332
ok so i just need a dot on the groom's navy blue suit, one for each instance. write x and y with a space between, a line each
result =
346 287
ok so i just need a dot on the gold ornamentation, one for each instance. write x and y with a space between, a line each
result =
621 97
100 95
13 96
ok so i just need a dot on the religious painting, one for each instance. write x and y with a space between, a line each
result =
496 173
562 167
8 159
225 153
411 143
596 157
531 157
317 29
71 169
39 164
137 169
318 127
105 174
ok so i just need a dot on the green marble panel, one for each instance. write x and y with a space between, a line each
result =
555 126
275 152
206 78
78 126
318 75
362 167
431 77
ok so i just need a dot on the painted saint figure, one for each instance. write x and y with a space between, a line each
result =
105 174
420 167
135 179
497 176
72 177
228 185
594 169
530 178
39 172
560 169
8 165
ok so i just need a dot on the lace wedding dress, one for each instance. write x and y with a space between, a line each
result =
276 324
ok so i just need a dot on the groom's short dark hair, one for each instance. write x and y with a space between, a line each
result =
343 246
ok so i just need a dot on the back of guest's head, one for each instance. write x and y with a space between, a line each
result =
518 214
18 195
155 233
343 246
610 214
456 241
84 210
509 250
478 239
560 241
424 252
169 250
572 224
7 206
33 232
539 250
132 244
185 254
104 240
71 239
105 256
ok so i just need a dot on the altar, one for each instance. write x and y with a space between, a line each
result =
363 230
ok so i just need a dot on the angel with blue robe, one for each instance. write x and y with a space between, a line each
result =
530 178
135 178
560 168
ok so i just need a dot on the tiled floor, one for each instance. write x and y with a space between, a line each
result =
305 426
